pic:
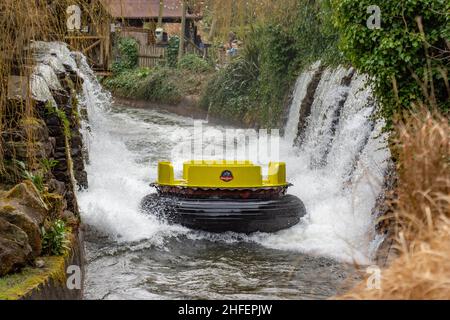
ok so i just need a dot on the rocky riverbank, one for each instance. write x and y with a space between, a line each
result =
44 156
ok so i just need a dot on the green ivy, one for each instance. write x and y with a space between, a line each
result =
172 51
396 55
128 55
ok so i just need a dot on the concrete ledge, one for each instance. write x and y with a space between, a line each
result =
188 107
49 282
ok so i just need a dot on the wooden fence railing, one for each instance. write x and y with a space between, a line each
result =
151 55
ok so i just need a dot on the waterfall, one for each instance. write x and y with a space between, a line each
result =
325 113
300 92
338 170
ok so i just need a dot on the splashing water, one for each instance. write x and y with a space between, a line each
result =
300 92
117 183
339 194
338 171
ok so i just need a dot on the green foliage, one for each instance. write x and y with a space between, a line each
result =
54 238
228 93
128 55
37 178
408 67
315 36
256 86
172 51
52 109
143 73
48 165
194 63
155 85
158 86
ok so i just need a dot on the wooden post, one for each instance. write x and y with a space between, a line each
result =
107 45
212 32
161 13
183 29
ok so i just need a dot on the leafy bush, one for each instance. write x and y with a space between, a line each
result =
54 238
408 58
194 63
158 87
155 85
128 55
125 83
228 93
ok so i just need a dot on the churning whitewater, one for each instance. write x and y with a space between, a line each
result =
331 170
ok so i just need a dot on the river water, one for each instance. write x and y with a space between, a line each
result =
338 173
133 256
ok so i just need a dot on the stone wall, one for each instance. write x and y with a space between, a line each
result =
44 151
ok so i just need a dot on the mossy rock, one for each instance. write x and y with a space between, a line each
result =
18 286
21 220
56 204
14 248
34 126
27 195
22 212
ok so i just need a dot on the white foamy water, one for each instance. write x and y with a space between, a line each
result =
337 172
340 194
301 89
117 183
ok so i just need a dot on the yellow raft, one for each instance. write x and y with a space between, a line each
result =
222 196
223 175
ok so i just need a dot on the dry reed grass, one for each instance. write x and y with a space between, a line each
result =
421 214
22 22
238 15
422 273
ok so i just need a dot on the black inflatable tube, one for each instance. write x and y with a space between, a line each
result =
222 215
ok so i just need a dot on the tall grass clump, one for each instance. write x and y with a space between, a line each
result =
421 213
192 62
423 148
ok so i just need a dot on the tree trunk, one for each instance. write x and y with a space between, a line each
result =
161 12
183 30
212 31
